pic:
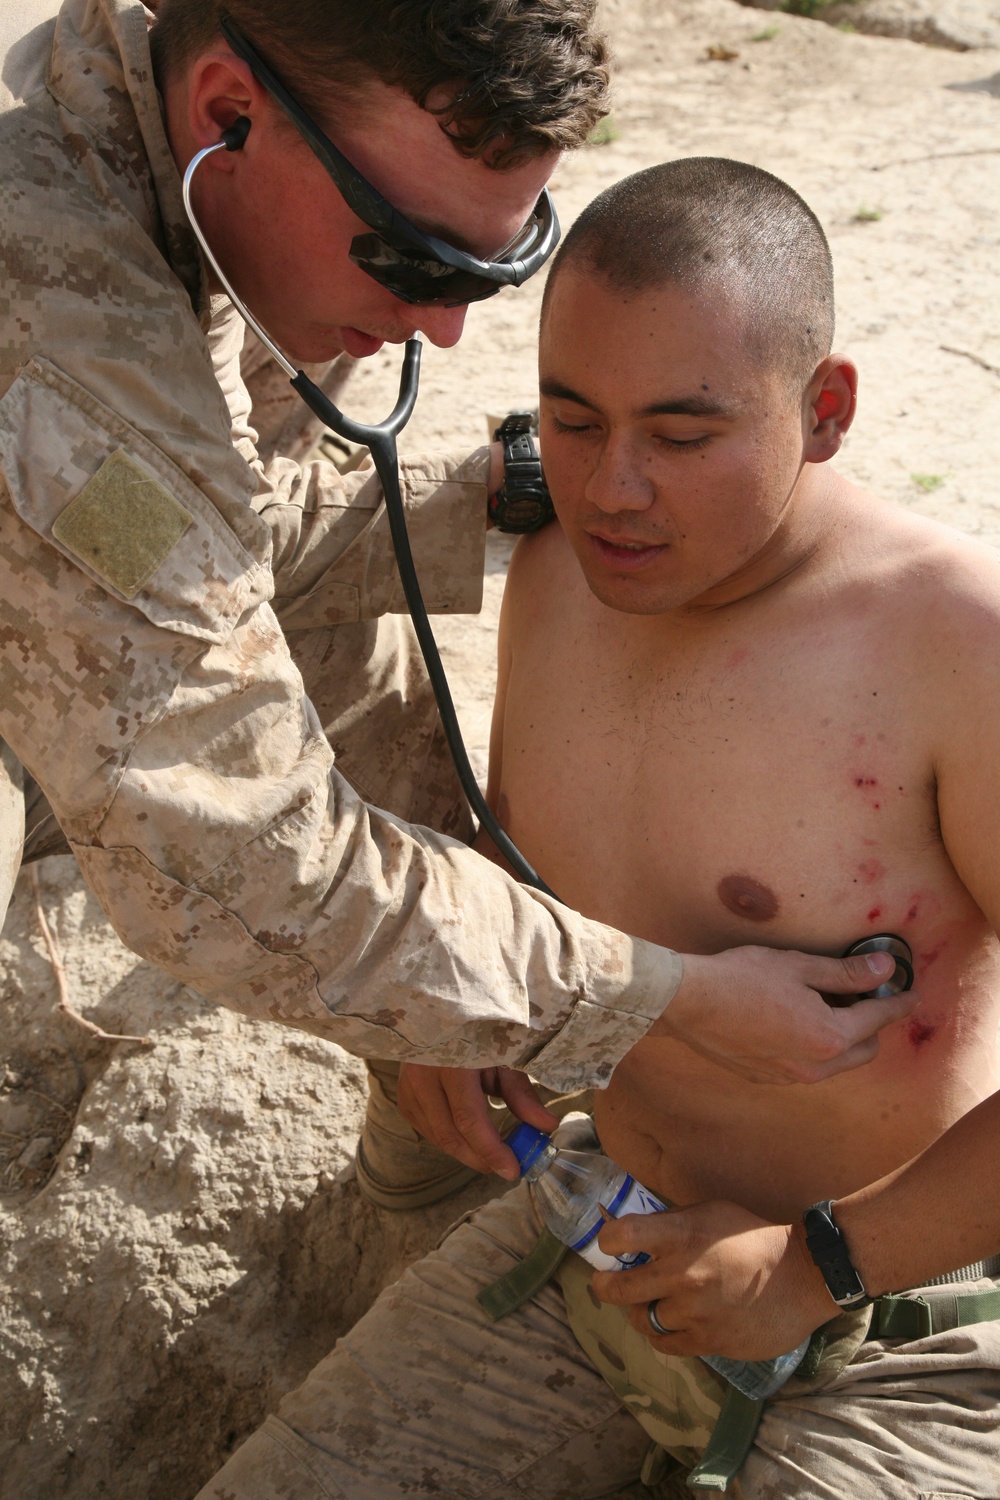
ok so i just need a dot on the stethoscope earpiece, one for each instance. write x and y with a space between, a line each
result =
234 137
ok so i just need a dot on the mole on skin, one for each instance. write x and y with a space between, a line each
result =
748 898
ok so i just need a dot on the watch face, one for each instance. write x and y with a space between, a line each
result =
521 513
526 513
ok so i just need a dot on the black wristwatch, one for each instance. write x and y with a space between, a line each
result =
522 502
829 1250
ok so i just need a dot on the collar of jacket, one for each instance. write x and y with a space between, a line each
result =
100 69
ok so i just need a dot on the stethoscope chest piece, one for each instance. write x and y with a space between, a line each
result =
901 977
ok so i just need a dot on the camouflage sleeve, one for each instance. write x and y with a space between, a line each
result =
333 559
146 684
332 555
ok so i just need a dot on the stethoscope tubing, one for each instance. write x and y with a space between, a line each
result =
380 439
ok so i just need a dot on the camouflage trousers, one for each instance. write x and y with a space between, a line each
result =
425 1396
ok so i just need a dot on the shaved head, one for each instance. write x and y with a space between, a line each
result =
725 230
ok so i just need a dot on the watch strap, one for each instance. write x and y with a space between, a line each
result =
522 503
829 1251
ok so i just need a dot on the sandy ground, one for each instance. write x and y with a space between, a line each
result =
180 1235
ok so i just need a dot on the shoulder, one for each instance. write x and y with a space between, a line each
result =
542 576
920 602
541 562
947 578
911 564
938 592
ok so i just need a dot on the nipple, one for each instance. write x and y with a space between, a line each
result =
747 898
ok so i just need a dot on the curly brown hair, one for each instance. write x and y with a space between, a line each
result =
524 76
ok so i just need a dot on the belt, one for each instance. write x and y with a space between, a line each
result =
900 1316
904 1316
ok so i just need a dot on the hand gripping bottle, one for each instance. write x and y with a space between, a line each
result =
571 1187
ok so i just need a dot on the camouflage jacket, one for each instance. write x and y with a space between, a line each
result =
144 679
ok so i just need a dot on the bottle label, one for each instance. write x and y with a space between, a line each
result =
631 1198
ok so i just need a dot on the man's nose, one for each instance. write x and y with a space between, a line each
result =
619 481
442 325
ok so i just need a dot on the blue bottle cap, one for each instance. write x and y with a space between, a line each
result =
527 1144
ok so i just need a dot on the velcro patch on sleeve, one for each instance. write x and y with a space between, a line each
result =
123 524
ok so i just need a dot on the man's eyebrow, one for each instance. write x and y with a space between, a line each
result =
688 406
559 392
679 406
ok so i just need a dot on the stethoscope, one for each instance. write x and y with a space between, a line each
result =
380 439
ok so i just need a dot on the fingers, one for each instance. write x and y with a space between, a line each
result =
866 1017
854 1057
521 1098
632 1287
679 1341
848 976
448 1107
856 1038
655 1235
471 1125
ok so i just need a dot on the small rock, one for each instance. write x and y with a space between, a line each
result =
961 25
36 1153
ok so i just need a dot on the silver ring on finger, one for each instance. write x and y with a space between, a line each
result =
653 1320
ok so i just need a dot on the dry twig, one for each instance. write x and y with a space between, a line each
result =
977 359
59 970
49 1100
909 161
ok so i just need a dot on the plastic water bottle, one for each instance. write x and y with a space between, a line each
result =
571 1187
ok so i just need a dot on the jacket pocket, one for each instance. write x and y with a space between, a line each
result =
118 507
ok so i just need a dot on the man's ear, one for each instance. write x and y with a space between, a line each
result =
220 88
828 408
214 91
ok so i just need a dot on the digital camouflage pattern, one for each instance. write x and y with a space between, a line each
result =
154 699
426 1396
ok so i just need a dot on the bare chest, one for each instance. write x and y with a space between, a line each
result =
733 796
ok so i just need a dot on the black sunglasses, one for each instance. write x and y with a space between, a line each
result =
412 265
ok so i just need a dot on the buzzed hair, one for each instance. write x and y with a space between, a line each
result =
717 226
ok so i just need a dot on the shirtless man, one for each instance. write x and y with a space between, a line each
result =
740 701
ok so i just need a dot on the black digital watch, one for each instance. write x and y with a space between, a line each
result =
828 1249
522 502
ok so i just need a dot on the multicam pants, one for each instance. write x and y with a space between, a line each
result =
425 1396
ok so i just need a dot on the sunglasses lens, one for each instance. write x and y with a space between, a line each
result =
415 278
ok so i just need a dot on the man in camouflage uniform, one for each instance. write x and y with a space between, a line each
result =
189 638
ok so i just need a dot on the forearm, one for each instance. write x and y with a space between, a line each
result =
198 791
935 1214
